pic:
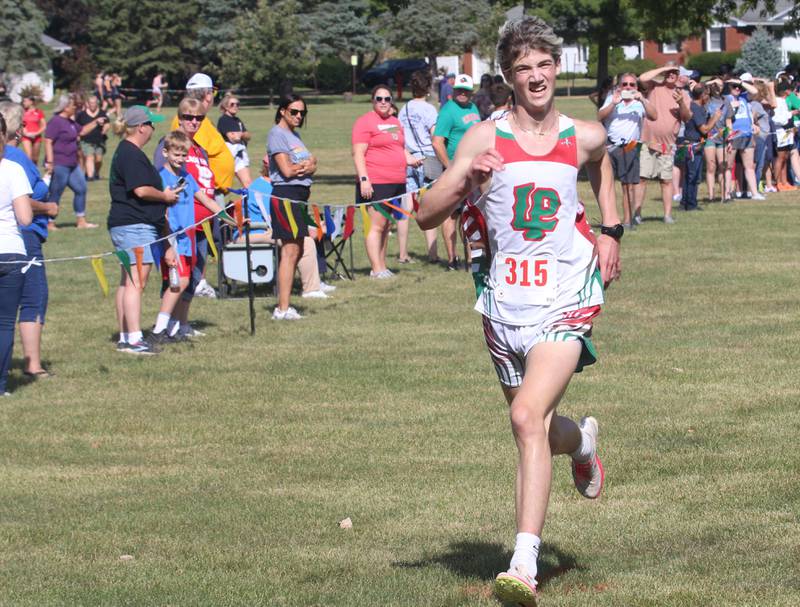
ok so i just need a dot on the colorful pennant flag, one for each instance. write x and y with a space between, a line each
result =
330 227
290 216
278 215
365 220
318 221
97 264
139 253
155 250
237 214
210 238
399 208
349 222
125 260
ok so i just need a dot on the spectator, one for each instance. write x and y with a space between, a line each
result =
220 159
742 131
622 113
483 99
455 118
33 303
717 150
760 105
659 135
291 168
115 93
418 118
784 136
446 88
380 159
191 114
93 140
137 217
502 100
61 158
158 94
694 131
34 125
100 89
236 136
15 211
599 95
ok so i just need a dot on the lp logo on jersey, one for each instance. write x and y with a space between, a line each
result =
535 211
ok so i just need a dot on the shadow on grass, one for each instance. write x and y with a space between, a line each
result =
484 560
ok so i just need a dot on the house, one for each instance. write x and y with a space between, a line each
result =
16 83
728 36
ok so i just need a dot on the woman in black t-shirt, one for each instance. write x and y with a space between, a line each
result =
95 124
236 136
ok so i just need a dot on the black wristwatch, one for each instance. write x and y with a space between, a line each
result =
615 232
364 178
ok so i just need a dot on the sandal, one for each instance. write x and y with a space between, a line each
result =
41 374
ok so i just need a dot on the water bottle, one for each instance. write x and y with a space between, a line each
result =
174 280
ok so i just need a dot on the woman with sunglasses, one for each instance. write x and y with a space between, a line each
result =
380 158
743 130
291 167
236 137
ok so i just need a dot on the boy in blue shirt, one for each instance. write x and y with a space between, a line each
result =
174 311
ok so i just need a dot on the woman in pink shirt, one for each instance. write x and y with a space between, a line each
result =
380 158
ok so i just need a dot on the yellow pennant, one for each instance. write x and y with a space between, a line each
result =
97 264
210 239
365 220
290 216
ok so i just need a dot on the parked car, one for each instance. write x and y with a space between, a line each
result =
386 72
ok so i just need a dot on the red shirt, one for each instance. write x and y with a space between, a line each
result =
32 120
386 157
197 166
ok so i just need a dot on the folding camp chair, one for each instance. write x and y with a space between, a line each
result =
339 229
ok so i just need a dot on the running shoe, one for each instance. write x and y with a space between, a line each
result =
516 586
325 287
320 294
758 196
589 476
637 219
140 348
288 314
668 219
382 275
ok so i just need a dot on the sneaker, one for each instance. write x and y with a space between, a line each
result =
516 587
668 219
589 476
637 219
191 332
452 266
381 275
676 197
770 189
162 338
288 314
757 196
141 348
326 288
122 345
315 295
738 194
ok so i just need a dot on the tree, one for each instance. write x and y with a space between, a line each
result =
489 32
761 56
68 22
269 48
216 34
138 38
21 48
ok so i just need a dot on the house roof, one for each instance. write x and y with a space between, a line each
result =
754 16
55 45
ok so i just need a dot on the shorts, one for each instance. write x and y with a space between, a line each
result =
626 164
36 139
509 344
93 149
743 142
184 267
134 235
240 158
281 223
382 191
655 165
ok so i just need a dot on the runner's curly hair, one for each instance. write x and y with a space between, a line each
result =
522 35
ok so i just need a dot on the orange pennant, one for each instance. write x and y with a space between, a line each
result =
237 214
318 221
139 253
399 209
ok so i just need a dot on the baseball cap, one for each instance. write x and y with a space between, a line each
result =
684 72
464 81
138 114
746 77
200 81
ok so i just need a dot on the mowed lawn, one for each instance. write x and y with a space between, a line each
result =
220 470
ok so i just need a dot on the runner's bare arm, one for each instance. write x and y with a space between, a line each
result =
591 138
471 167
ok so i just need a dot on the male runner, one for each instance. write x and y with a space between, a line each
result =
545 283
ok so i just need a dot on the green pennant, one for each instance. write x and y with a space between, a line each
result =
384 211
125 260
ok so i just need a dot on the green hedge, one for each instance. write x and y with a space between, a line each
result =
708 64
334 75
794 59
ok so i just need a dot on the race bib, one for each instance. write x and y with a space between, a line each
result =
525 279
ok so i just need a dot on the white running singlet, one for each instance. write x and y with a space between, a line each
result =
544 268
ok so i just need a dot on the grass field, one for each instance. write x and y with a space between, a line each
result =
222 468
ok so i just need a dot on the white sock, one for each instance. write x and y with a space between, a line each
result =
123 338
584 451
526 552
135 337
172 327
161 322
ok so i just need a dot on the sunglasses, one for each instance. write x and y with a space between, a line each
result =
235 103
382 99
148 123
629 84
301 113
192 118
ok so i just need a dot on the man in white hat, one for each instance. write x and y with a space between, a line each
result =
220 159
455 118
